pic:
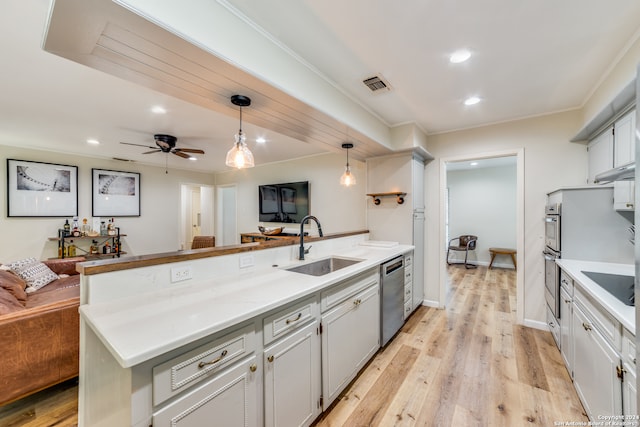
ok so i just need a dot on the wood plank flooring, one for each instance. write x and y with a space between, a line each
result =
468 365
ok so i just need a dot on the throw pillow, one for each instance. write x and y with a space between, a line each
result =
35 273
14 284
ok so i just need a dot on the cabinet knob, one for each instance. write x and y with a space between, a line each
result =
270 358
586 326
253 367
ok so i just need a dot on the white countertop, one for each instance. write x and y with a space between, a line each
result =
623 313
140 328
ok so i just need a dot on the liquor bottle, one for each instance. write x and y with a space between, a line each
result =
93 249
67 227
71 251
85 227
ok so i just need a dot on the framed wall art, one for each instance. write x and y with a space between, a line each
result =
115 193
36 189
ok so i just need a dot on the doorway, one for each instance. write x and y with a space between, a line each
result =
450 207
197 213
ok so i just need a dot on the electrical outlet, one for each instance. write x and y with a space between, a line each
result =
178 274
246 261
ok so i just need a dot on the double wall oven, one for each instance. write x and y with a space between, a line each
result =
551 252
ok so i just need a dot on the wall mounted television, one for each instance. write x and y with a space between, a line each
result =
288 202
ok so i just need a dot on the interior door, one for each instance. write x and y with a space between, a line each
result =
196 214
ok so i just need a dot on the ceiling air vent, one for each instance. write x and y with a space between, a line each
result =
377 84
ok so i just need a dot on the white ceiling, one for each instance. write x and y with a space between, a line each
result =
529 58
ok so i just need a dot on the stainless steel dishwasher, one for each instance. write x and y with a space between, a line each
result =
392 301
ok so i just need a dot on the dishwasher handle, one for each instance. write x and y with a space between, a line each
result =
392 266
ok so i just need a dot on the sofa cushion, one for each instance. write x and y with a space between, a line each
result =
8 303
64 265
14 285
34 272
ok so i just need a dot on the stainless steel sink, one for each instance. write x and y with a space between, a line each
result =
324 266
619 286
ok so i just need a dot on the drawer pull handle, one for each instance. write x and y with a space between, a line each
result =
270 358
586 326
253 367
634 360
567 301
357 302
294 320
214 361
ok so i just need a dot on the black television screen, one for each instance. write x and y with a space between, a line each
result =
283 202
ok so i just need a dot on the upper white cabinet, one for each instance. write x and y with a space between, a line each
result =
623 131
600 154
624 152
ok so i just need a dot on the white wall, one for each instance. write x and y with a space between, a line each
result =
482 202
338 208
550 162
156 230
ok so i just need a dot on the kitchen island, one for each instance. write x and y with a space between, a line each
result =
139 330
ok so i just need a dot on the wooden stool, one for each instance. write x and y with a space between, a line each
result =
503 251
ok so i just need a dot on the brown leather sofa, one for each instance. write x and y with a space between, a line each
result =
39 332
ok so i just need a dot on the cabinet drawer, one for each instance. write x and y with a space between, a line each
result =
229 399
566 282
629 349
554 328
408 291
177 374
336 294
408 274
289 319
408 307
408 259
608 326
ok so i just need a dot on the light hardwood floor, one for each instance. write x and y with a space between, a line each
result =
468 365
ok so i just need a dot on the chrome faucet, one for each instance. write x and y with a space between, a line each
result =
302 249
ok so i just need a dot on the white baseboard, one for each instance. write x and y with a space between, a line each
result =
536 324
430 303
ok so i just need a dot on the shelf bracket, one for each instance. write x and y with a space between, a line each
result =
398 195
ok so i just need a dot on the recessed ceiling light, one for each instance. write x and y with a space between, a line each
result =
474 163
471 100
158 110
93 141
459 56
261 140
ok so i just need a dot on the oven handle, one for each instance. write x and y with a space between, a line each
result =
551 219
549 257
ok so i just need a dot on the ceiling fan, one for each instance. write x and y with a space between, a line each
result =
167 144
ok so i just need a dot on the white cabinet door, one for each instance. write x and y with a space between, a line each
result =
629 391
600 154
292 379
350 337
566 344
595 368
229 399
624 139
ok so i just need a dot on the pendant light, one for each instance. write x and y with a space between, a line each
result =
347 179
240 156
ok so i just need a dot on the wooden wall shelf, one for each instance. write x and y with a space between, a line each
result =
398 195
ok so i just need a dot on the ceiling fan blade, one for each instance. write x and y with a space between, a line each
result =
189 150
152 151
177 153
137 145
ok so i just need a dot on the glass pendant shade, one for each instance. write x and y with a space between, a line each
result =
347 179
240 156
